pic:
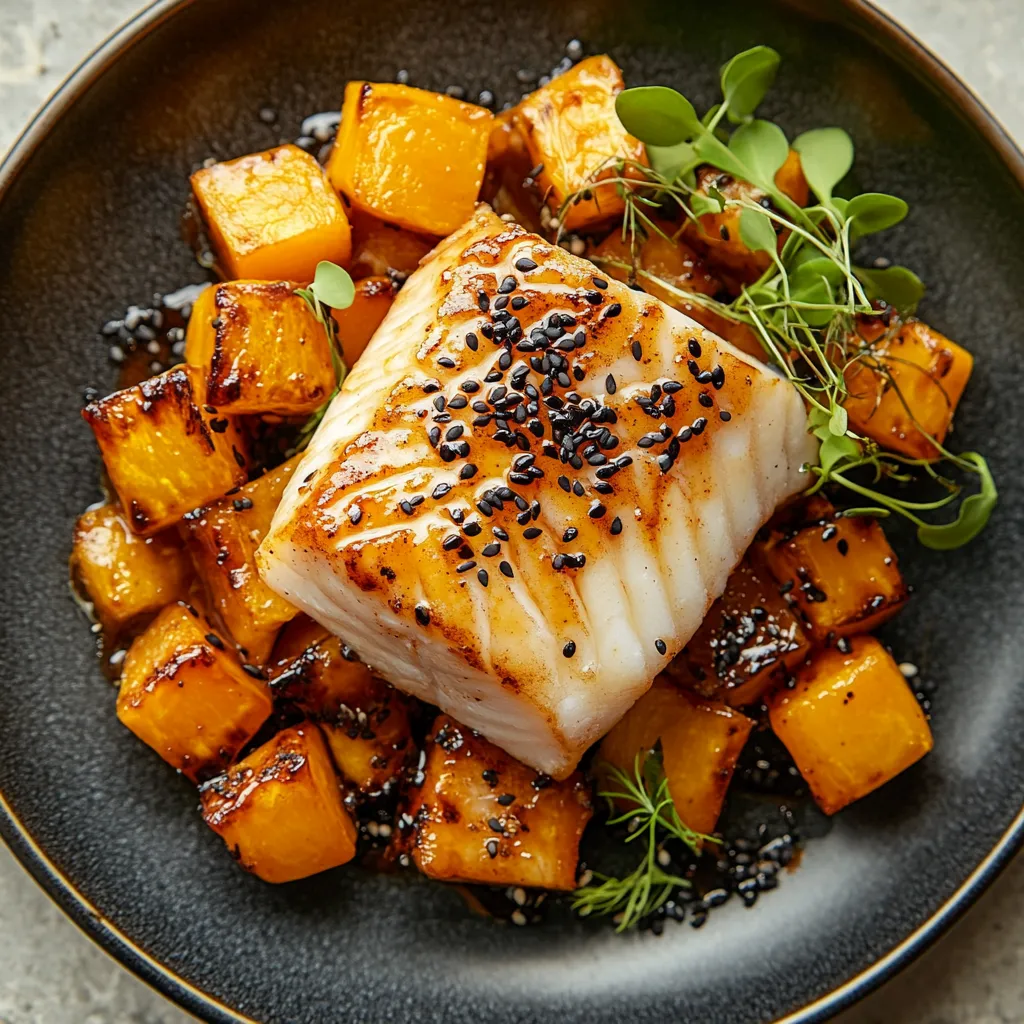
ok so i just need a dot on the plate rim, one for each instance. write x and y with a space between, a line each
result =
895 38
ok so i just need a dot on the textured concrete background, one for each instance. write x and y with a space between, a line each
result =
51 974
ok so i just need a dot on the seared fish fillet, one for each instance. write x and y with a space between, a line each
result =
530 489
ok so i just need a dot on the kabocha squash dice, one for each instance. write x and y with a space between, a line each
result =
222 540
272 215
701 742
166 451
481 816
385 250
261 348
905 387
676 263
410 157
574 135
748 635
365 721
851 722
357 323
125 577
280 810
186 697
839 571
718 234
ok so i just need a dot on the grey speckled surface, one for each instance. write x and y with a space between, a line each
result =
50 974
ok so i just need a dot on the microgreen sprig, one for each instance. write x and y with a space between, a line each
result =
805 307
652 815
331 288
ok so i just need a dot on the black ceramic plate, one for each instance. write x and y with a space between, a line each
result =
90 206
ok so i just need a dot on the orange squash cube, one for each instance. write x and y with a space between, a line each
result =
718 234
385 250
851 723
357 324
126 578
280 810
408 156
701 741
261 348
484 817
904 389
166 451
365 720
222 540
747 636
839 571
183 695
272 215
572 131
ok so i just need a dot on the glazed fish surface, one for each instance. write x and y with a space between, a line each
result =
530 489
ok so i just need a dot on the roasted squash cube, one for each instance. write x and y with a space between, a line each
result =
701 742
280 810
718 234
484 817
186 697
364 719
385 250
839 571
851 723
358 323
166 451
573 133
222 540
508 187
905 386
125 577
261 348
408 156
272 215
748 635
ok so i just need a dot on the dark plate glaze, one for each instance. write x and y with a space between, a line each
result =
90 205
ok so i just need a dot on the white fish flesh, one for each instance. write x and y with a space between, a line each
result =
530 489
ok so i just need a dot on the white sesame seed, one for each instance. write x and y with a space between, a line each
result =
586 878
519 918
577 247
664 858
909 669
519 896
384 831
373 828
508 218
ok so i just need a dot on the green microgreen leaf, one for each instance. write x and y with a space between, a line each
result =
898 286
826 156
972 516
713 202
332 285
657 115
757 231
873 212
762 147
746 79
672 162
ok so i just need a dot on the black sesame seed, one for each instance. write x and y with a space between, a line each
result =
518 302
446 362
508 285
466 566
569 649
616 526
717 377
684 435
725 415
705 399
215 641
506 569
406 507
483 301
467 472
355 513
469 386
698 425
570 534
842 546
594 298
253 670
490 550
577 489
694 346
472 341
481 575
596 510
704 377
525 264
454 432
660 646
494 825
506 799
563 482
638 350
451 542
242 504
422 615
492 848
599 282
613 310
472 529
532 533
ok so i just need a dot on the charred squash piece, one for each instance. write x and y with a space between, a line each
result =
839 571
261 349
851 723
718 235
747 636
385 250
701 742
126 578
365 721
166 451
574 135
906 386
280 810
410 157
222 540
356 325
482 816
272 215
186 697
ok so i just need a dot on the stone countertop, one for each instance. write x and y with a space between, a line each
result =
51 974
